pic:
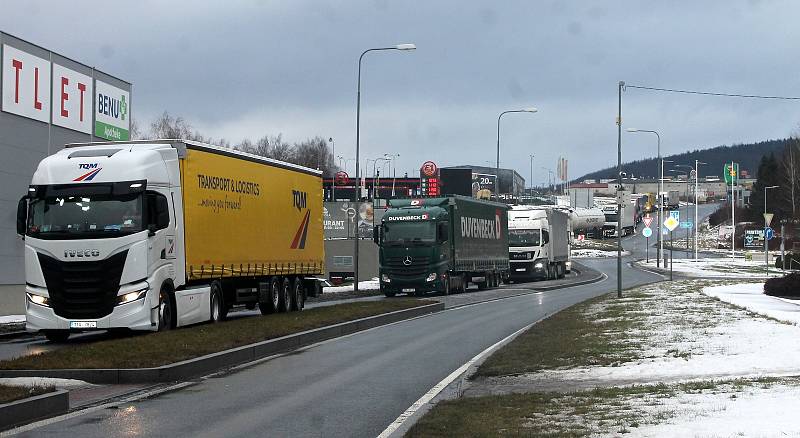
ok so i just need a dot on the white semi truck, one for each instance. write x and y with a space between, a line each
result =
151 235
627 218
539 242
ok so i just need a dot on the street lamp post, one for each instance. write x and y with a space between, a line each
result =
659 243
530 190
497 164
549 179
621 86
686 196
697 164
376 177
358 144
393 162
766 246
333 152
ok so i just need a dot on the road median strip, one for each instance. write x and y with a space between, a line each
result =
192 352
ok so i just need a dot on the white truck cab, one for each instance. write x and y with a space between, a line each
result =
538 240
100 238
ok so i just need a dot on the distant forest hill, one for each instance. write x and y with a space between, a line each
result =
747 155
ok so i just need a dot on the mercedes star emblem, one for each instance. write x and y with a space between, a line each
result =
407 260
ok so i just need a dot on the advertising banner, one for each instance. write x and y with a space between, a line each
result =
341 219
72 99
112 121
26 84
754 238
483 185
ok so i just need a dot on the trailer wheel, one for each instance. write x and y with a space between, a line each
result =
562 270
56 335
462 284
298 294
274 303
285 296
166 310
216 302
387 292
446 285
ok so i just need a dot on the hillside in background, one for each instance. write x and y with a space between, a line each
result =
747 155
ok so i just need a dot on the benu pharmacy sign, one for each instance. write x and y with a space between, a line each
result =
51 92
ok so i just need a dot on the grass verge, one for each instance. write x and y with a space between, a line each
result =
606 411
156 349
13 393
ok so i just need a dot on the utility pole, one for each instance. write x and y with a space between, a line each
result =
621 85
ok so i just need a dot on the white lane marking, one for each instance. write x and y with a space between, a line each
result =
433 392
92 409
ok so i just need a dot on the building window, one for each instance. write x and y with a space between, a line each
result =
343 261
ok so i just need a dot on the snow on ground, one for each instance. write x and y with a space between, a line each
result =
768 410
373 284
751 297
45 381
595 253
12 319
684 334
719 267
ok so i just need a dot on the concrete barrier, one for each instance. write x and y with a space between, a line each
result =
30 409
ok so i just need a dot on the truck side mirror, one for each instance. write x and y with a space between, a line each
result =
376 234
444 231
22 215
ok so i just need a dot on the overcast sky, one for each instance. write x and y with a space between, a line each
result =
243 69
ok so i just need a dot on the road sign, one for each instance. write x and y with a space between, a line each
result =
580 237
768 218
341 178
687 224
731 173
647 232
675 214
647 221
769 233
671 223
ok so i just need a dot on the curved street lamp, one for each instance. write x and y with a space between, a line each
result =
497 164
402 47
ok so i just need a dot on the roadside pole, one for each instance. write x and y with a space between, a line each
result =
783 253
733 211
671 248
647 249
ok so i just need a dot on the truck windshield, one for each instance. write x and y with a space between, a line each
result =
611 217
85 216
409 232
524 237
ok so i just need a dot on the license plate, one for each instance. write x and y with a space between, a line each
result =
82 324
409 289
520 269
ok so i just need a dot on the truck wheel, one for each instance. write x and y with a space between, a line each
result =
482 284
462 284
298 294
446 286
387 292
166 310
56 335
274 304
216 302
285 296
562 270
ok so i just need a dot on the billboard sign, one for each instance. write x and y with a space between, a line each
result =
72 99
483 185
26 84
341 219
112 121
754 238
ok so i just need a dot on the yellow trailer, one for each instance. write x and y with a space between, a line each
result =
247 216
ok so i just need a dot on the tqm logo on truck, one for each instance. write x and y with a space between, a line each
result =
93 170
299 201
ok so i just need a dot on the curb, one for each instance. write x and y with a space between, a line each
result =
236 356
598 277
30 409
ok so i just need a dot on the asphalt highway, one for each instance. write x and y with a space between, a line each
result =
353 386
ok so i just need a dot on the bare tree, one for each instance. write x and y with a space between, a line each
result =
134 130
790 172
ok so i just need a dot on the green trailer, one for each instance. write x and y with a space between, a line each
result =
442 244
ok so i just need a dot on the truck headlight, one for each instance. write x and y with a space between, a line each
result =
538 265
385 278
131 296
38 299
431 276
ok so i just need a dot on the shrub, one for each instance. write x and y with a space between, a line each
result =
792 261
786 286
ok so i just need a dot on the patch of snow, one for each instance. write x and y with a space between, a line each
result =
755 411
45 381
595 253
719 267
373 284
751 297
12 319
